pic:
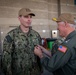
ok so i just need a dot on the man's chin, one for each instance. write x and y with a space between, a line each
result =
27 26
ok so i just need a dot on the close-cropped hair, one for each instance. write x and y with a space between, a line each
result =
73 25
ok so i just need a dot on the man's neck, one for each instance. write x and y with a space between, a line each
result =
24 29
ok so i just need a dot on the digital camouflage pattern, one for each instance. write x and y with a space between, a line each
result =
18 56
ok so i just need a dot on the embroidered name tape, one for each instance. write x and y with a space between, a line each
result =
62 48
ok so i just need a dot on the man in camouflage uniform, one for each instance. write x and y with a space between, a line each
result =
18 57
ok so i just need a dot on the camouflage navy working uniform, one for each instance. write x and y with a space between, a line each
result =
63 62
18 57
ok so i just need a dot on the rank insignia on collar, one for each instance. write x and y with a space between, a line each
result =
62 48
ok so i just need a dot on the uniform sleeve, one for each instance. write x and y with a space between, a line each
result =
38 59
59 59
6 59
39 39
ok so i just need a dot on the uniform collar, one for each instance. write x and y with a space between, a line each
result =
71 35
28 34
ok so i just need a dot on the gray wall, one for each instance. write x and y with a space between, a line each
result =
45 10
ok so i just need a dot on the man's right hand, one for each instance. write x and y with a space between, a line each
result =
38 51
47 52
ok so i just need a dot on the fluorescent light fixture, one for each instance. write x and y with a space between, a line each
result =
43 31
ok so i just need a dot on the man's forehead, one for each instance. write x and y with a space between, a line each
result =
61 22
27 16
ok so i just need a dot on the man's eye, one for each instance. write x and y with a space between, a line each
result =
25 16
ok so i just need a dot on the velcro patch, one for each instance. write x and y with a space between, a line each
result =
9 39
62 48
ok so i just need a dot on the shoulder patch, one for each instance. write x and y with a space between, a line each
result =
62 48
9 39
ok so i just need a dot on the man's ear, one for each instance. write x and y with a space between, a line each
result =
19 18
66 24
